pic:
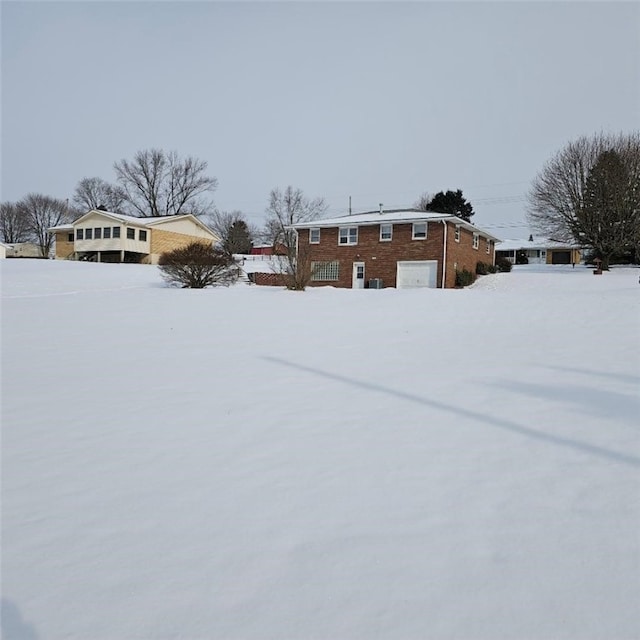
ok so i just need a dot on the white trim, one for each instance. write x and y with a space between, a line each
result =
349 243
456 235
476 241
413 230
311 230
390 238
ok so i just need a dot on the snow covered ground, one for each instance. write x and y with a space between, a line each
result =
252 463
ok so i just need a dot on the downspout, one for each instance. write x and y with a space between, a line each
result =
444 256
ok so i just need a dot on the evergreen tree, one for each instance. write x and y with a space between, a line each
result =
238 238
452 202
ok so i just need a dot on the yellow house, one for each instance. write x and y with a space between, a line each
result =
102 236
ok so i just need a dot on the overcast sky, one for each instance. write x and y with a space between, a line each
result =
380 101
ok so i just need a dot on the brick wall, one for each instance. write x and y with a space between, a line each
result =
64 248
268 279
380 257
461 255
163 241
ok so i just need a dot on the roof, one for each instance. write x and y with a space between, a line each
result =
538 243
390 216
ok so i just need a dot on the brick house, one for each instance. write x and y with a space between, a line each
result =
395 248
103 236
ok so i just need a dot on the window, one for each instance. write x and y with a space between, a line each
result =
325 270
386 232
97 233
476 240
348 235
88 234
106 233
488 246
70 237
142 235
116 232
314 236
131 234
456 236
79 234
419 231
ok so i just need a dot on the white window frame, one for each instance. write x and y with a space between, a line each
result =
488 246
347 236
476 240
413 231
311 232
456 235
389 226
325 271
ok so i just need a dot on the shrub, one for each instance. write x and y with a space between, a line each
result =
464 278
482 268
491 268
504 265
198 265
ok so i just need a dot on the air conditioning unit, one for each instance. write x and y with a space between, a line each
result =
375 283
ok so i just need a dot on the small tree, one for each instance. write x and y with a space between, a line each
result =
198 265
285 209
451 202
236 236
43 212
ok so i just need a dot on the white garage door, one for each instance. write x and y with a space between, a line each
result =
418 273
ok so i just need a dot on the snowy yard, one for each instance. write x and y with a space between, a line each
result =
251 463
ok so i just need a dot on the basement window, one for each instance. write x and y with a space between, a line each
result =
348 236
419 231
314 236
324 271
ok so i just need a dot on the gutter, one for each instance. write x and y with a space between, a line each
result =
444 256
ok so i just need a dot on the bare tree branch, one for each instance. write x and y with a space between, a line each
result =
14 224
157 183
44 212
94 193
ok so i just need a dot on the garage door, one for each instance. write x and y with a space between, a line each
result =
418 273
561 257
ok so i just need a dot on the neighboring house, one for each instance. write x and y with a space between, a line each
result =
103 236
395 248
267 250
3 250
539 251
23 250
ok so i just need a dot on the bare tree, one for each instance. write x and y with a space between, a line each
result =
43 212
423 201
236 234
573 198
14 224
285 209
94 193
160 183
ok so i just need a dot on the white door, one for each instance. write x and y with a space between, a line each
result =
358 275
417 273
